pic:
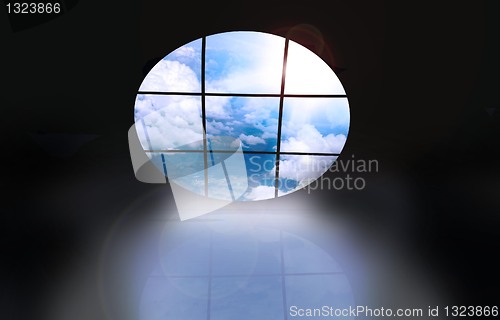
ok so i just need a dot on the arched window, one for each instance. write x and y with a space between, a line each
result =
263 97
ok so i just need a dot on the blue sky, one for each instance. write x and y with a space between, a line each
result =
247 62
253 120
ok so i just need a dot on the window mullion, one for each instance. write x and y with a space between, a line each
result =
280 120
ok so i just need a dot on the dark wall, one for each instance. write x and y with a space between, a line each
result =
421 79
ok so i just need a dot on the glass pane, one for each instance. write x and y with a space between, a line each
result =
186 170
252 120
244 62
169 122
307 73
298 171
314 125
158 159
227 175
179 71
261 176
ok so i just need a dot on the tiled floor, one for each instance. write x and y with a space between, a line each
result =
221 270
258 297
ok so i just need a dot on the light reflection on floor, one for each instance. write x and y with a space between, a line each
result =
219 268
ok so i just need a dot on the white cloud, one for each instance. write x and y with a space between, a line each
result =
261 109
234 123
218 187
257 61
194 182
216 108
185 51
215 127
329 114
256 66
306 73
269 135
304 169
269 131
172 76
171 121
262 193
235 144
309 139
251 139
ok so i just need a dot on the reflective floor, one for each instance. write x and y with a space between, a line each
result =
228 268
